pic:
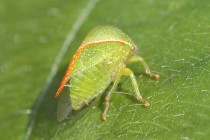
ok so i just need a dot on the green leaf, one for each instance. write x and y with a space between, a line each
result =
172 36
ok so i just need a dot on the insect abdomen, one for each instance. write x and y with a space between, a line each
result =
87 85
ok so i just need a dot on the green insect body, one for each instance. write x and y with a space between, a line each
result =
100 60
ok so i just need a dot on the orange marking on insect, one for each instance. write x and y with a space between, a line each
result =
81 48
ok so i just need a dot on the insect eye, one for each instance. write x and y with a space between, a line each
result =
134 49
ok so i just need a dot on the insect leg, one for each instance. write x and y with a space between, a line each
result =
107 98
136 58
129 72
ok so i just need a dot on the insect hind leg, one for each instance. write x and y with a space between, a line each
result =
108 96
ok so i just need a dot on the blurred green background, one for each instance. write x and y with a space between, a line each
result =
172 35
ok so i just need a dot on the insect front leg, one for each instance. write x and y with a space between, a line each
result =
107 98
129 72
136 58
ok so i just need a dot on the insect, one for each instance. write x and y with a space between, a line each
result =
100 60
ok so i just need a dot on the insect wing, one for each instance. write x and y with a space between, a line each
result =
64 105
